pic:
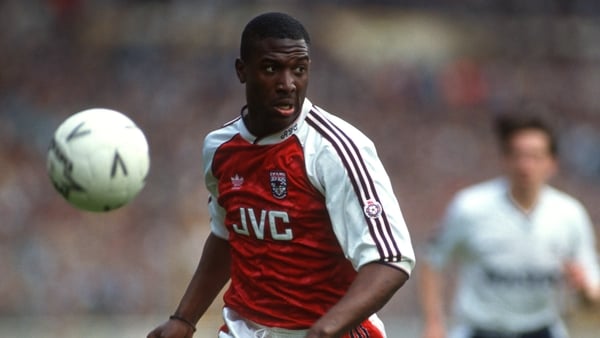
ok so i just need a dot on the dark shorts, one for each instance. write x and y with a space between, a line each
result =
540 333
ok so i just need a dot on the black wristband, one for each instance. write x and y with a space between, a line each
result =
181 319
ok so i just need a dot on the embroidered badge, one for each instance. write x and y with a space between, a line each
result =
373 209
237 181
278 181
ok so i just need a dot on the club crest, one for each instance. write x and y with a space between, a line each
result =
373 209
278 181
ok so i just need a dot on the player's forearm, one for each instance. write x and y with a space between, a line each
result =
591 294
211 275
373 287
431 294
578 278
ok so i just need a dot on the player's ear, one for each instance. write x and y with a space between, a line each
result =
240 70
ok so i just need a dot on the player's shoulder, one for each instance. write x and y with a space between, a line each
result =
216 137
556 199
481 193
334 127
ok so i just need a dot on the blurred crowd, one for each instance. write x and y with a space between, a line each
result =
422 81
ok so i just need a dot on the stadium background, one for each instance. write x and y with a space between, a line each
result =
422 79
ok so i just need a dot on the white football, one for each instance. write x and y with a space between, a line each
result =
98 159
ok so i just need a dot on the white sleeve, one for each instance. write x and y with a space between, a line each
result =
217 213
363 209
217 218
449 236
585 246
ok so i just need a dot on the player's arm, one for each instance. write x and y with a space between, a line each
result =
373 287
445 245
431 295
357 214
211 275
577 277
582 271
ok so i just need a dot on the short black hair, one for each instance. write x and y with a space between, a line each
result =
507 125
271 25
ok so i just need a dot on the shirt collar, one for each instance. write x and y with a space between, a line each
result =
281 135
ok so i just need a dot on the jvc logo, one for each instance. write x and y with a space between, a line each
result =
258 226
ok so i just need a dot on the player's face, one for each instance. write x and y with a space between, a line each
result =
276 78
529 161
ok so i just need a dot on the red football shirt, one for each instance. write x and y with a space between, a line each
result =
302 210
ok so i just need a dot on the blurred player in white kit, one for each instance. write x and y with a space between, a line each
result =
515 241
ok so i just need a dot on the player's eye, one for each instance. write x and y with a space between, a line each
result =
300 70
269 68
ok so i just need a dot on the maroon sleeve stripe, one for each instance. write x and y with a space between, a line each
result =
362 182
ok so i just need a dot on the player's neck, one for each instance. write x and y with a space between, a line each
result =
525 199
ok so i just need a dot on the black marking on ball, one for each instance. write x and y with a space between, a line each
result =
64 188
77 133
117 162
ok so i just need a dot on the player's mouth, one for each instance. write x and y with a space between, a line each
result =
285 109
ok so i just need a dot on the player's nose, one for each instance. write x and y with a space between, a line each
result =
286 82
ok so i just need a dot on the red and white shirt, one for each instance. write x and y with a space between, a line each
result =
302 210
